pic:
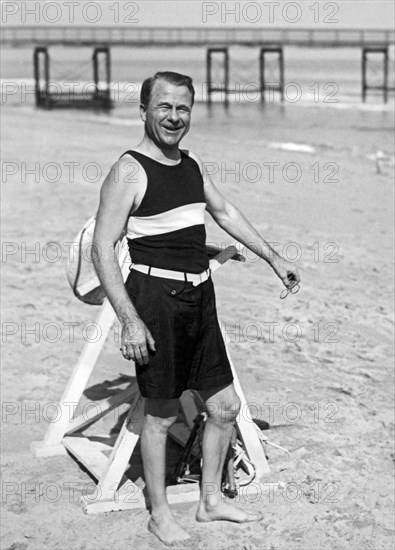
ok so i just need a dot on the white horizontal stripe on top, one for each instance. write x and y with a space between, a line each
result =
165 222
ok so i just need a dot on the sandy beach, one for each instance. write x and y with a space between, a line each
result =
317 366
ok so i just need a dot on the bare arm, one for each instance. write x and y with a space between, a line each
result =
117 198
233 221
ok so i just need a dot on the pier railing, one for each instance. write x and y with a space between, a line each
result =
24 36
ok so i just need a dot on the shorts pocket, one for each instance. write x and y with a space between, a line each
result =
172 288
135 285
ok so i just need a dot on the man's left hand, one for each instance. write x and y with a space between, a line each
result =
287 272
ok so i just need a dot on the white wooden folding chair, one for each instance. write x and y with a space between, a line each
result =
114 490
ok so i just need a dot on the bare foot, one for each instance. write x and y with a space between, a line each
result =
225 512
165 527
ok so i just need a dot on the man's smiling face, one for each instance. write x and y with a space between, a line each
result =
168 114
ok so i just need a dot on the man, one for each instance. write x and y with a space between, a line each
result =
167 307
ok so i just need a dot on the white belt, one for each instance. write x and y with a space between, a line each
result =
194 278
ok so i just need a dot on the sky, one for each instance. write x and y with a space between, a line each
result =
337 14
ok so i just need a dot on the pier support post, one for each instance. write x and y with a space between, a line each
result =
367 56
213 87
41 95
103 94
277 85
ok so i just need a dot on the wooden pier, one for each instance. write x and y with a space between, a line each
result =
19 36
372 43
98 98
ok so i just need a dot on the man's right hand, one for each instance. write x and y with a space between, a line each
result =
136 341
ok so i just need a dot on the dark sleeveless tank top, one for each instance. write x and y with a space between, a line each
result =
167 230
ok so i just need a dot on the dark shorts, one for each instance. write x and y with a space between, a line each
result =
182 318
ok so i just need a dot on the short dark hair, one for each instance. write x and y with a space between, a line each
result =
168 76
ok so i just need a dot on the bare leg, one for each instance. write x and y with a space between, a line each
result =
230 474
160 414
222 409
